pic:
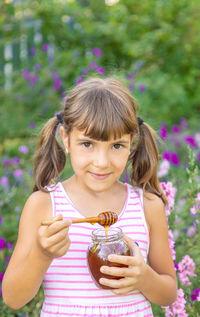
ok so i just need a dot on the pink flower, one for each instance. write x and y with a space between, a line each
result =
191 231
177 309
163 131
18 173
186 268
172 244
97 52
170 193
163 168
23 149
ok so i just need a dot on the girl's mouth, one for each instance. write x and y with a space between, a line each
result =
100 176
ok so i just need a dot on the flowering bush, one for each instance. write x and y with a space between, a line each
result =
178 173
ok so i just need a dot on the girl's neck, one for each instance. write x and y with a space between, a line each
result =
91 203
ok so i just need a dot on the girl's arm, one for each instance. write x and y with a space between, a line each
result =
35 249
156 280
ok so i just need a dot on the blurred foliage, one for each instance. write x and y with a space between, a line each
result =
163 36
152 45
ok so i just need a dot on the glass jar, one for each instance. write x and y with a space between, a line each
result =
105 242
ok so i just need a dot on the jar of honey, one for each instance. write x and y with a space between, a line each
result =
104 242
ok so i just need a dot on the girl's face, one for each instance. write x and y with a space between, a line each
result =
97 164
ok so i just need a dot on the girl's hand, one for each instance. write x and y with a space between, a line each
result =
133 276
53 240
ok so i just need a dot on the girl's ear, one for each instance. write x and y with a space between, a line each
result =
64 136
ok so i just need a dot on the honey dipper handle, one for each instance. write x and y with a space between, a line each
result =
90 220
79 220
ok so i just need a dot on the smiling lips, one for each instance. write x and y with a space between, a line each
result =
100 176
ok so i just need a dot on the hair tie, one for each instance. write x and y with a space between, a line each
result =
60 117
140 121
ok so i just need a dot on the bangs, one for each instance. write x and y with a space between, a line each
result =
103 116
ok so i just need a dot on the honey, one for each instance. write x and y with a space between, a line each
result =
105 242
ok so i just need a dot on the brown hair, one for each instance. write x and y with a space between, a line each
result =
102 108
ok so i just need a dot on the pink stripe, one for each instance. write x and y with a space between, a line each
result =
59 196
80 234
131 218
71 259
58 281
72 250
72 289
80 242
79 297
124 304
74 274
65 210
101 315
81 227
70 266
134 204
65 203
134 197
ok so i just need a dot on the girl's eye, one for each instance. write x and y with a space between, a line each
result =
117 146
87 145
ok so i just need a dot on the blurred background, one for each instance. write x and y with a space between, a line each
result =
153 46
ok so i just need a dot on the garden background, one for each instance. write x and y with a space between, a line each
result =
153 46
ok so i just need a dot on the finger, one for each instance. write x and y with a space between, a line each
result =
116 271
58 236
133 245
58 226
116 284
124 290
60 248
123 259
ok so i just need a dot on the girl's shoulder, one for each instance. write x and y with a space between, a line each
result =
38 206
154 209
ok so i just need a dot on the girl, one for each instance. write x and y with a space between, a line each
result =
101 133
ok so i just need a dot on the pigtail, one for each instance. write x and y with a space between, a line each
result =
49 158
144 159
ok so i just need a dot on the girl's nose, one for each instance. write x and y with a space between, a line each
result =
101 159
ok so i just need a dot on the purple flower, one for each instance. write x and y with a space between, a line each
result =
33 80
33 50
195 293
7 161
198 156
163 131
37 66
142 88
23 149
84 71
32 125
1 276
93 65
79 80
9 246
191 141
2 243
175 159
26 74
57 83
4 181
100 70
45 47
167 155
131 86
183 123
97 52
175 129
130 76
18 173
15 160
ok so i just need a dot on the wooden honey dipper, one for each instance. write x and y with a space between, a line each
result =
106 218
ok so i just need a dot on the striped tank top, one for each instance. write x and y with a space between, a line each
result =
68 286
